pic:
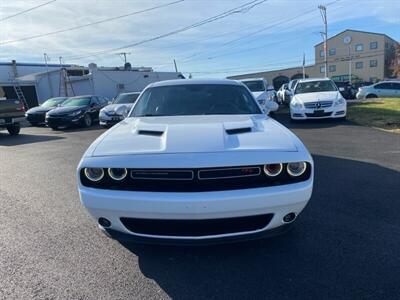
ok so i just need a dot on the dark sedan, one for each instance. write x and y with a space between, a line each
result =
76 111
37 115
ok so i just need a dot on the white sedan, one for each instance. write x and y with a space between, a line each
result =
261 90
196 161
317 99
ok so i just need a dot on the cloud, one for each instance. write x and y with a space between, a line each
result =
208 40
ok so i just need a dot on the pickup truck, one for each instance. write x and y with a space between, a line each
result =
11 113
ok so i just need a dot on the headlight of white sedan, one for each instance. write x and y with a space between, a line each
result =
339 101
296 103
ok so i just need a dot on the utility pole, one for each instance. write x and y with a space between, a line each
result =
176 68
322 10
46 58
350 58
124 54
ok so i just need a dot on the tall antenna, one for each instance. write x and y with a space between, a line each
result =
124 54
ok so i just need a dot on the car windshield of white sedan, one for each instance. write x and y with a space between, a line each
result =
125 98
315 87
195 99
255 86
76 102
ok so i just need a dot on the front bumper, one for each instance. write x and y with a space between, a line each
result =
106 120
114 205
360 96
64 121
36 118
332 112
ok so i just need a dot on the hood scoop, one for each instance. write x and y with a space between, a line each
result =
238 130
150 132
239 127
148 129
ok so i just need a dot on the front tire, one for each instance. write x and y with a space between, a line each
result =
370 96
14 129
87 121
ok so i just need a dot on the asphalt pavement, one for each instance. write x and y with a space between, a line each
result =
345 244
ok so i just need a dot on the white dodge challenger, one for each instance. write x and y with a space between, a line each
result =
317 99
195 161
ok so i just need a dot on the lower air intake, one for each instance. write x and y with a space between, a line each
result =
196 228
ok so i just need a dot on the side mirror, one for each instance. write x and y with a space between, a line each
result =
271 106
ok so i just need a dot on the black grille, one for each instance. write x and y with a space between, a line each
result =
195 180
196 227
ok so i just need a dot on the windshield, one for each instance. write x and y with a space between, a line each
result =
255 86
53 102
315 86
84 101
292 84
195 99
126 98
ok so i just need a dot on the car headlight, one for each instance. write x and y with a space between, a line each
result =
75 113
273 170
296 103
94 174
339 101
296 169
117 173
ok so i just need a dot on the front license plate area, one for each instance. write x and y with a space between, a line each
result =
319 112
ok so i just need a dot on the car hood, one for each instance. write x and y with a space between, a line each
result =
112 108
192 134
62 110
39 110
312 97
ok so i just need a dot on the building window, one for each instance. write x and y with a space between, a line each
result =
359 65
321 53
373 45
359 47
332 68
332 51
322 69
373 63
386 45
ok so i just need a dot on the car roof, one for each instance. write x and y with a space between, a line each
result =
251 79
314 79
81 96
193 81
391 80
130 93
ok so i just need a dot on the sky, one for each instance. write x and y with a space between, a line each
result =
264 35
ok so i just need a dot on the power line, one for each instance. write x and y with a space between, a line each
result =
90 24
281 64
190 58
239 9
28 10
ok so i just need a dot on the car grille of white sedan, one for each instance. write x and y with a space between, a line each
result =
195 180
318 104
